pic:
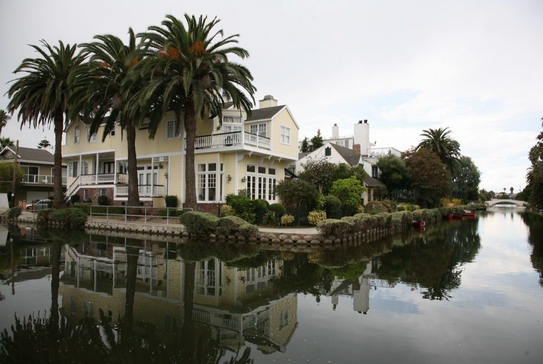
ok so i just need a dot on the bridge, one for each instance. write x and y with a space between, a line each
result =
495 202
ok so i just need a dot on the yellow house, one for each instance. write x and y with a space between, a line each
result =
236 304
236 153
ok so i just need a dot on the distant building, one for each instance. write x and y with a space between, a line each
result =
38 167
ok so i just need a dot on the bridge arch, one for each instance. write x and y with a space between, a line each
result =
495 202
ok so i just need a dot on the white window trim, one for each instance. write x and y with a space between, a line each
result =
176 129
285 135
77 134
219 185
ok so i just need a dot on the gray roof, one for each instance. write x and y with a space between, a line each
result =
350 156
373 182
265 113
28 154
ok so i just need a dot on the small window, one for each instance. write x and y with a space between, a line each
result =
251 169
112 132
173 129
103 192
285 135
77 134
327 151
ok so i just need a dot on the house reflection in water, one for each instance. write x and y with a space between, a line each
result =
235 305
358 289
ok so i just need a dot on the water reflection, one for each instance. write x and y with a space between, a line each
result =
125 300
535 238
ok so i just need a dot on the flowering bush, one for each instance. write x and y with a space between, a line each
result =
316 216
287 219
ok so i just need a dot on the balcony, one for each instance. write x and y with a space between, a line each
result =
102 178
233 140
144 191
41 179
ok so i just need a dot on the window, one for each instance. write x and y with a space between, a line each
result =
173 129
375 171
209 182
261 182
258 129
327 151
77 134
91 138
231 119
112 132
73 170
285 135
84 167
283 320
103 192
86 195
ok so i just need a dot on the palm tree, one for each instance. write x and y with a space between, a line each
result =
439 142
189 73
42 95
102 98
4 117
5 142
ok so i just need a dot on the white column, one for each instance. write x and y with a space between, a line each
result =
96 170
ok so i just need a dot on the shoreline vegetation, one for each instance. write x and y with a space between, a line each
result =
362 227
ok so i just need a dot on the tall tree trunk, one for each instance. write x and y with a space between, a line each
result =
58 201
132 256
190 178
187 350
133 193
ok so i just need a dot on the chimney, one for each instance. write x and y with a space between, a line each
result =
267 101
356 148
335 132
362 136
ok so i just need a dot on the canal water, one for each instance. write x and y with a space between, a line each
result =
467 291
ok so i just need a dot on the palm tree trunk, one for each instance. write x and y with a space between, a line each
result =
190 178
133 193
58 201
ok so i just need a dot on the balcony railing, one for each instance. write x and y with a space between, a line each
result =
94 179
144 191
237 138
40 179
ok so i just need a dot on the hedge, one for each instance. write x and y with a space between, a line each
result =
199 223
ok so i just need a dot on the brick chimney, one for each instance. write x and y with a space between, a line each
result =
356 148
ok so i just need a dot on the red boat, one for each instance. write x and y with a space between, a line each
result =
468 213
419 223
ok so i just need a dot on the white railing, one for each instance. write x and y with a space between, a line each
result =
41 179
92 179
256 140
144 191
231 139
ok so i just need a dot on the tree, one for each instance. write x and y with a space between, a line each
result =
297 193
319 173
6 142
190 73
6 175
316 141
535 173
103 95
44 144
349 191
431 180
465 184
305 145
4 117
42 96
439 142
394 173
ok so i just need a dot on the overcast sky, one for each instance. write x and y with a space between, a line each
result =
474 66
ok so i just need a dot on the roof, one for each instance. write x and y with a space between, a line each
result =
265 113
372 182
28 154
350 156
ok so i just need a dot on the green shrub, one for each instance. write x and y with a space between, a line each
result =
227 210
249 230
44 216
287 219
14 212
261 207
249 210
229 225
278 209
171 201
102 200
316 216
270 218
75 199
408 207
71 218
333 206
376 207
199 223
333 227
